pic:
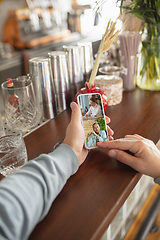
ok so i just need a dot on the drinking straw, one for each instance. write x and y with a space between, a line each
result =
129 43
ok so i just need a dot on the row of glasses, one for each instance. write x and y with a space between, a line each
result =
50 87
58 77
21 115
44 93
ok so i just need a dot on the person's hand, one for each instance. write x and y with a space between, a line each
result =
75 136
93 132
89 134
109 130
146 157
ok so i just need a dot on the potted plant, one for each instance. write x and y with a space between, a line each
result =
148 66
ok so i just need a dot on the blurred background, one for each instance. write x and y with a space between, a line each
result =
32 28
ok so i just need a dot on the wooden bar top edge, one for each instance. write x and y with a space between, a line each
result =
106 222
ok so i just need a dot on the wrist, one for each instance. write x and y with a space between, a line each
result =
56 145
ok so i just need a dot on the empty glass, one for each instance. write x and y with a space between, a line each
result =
1 126
128 72
86 59
23 115
60 79
42 78
74 68
13 153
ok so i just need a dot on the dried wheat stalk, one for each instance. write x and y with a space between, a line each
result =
104 46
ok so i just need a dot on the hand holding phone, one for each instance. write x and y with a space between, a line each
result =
93 119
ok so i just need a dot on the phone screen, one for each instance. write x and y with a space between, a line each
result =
93 119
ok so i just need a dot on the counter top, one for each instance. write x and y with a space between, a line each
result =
91 198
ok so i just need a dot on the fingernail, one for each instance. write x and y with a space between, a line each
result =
112 153
72 105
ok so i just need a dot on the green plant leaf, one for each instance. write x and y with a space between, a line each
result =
158 7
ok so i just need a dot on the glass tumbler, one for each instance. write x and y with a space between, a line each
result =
24 115
1 126
13 153
128 73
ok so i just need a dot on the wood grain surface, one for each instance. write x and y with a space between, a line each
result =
92 197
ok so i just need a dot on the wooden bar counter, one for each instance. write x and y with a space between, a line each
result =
91 198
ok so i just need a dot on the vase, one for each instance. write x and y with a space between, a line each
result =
148 63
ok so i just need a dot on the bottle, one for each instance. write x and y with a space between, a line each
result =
13 98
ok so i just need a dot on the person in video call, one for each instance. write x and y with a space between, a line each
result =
95 136
95 109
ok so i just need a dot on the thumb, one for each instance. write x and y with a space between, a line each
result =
76 114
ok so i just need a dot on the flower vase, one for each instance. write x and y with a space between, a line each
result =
148 64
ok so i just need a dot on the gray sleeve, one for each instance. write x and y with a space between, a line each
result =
26 196
157 180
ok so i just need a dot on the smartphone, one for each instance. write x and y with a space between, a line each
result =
93 119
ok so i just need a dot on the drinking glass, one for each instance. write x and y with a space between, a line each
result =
86 59
128 72
41 74
74 68
13 153
60 79
1 126
25 115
